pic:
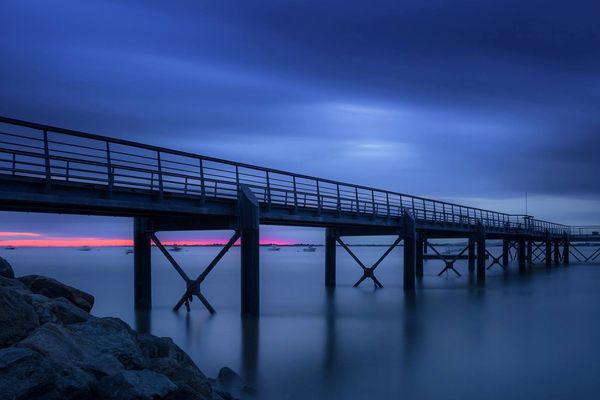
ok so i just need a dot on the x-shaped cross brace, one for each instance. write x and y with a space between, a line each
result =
495 260
193 286
368 272
449 262
512 245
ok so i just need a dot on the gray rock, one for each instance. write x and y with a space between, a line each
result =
79 362
12 284
6 270
17 317
168 359
58 310
24 374
229 385
52 288
135 385
111 336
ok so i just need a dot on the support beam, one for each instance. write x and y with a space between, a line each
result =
521 257
330 257
529 253
471 254
480 253
566 249
410 234
556 252
249 234
142 266
419 255
548 248
505 252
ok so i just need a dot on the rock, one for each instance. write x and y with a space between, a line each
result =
6 270
24 374
111 336
58 310
12 284
73 356
135 385
17 317
168 359
229 385
52 288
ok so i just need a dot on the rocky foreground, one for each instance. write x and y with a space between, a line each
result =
52 348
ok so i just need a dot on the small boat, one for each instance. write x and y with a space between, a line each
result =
273 248
84 248
9 248
176 247
310 249
129 251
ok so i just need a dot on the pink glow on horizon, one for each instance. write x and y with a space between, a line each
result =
19 234
49 241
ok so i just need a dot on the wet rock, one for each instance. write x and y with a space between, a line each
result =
17 317
52 288
58 310
12 284
75 358
168 359
24 374
135 385
6 270
229 385
111 336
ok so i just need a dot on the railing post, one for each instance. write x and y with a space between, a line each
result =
356 196
339 201
14 163
373 201
268 191
387 202
202 184
109 170
160 177
295 194
47 161
318 198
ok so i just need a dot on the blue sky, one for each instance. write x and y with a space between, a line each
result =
475 102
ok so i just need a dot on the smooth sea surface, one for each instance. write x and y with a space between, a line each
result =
535 336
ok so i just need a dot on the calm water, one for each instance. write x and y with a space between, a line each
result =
522 337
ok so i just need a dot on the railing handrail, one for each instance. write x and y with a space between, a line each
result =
426 206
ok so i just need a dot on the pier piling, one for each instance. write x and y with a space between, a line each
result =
142 270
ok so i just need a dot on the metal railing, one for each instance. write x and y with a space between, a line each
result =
55 154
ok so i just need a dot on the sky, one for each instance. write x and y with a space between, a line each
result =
476 102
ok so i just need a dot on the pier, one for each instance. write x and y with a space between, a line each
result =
55 170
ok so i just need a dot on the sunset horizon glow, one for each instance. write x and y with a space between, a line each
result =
21 239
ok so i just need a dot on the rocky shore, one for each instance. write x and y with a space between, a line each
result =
52 348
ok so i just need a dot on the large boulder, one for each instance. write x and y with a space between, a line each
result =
53 289
229 385
168 359
135 385
58 310
110 336
17 317
74 357
6 269
25 374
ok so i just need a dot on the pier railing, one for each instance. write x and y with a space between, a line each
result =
60 155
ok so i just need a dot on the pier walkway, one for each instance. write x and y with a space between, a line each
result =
56 170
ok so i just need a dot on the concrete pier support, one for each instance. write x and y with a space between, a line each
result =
566 249
330 256
142 265
249 235
548 248
419 256
410 234
471 252
521 257
480 254
505 250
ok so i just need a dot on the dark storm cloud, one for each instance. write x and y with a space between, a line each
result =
456 99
